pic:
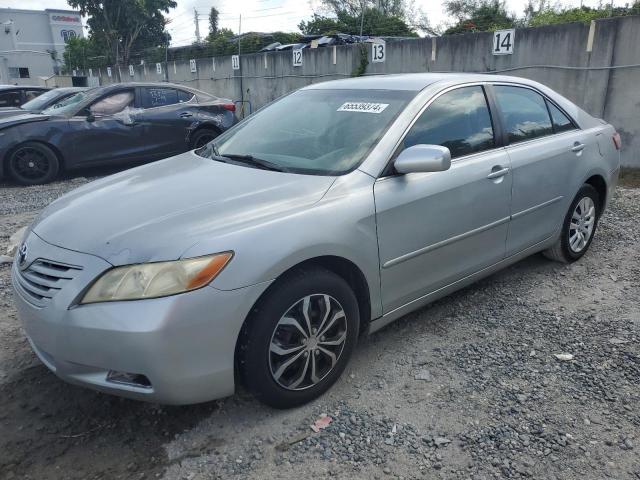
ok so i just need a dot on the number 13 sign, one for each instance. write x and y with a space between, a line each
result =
503 41
378 51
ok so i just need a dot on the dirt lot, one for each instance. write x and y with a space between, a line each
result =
468 388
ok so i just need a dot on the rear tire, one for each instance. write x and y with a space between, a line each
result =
579 227
202 137
286 361
32 163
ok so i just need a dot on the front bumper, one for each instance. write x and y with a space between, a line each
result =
184 344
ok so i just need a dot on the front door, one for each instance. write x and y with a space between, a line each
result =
436 228
107 132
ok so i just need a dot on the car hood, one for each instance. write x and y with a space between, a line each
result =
7 121
158 211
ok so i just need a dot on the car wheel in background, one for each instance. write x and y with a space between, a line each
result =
32 163
299 337
202 137
578 228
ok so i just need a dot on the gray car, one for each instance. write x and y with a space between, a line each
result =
262 256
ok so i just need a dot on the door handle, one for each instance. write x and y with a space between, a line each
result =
498 173
577 147
186 115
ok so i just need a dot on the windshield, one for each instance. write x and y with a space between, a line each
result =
67 105
41 101
322 132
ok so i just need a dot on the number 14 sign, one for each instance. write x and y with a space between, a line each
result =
503 41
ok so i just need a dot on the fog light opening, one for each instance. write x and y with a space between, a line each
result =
132 379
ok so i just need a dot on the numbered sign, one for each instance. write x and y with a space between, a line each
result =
503 41
378 51
159 68
235 62
297 57
192 65
132 72
109 72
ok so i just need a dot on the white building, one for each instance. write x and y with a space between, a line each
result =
32 43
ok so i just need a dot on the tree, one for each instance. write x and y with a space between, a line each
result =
548 15
126 27
213 21
375 23
84 53
335 13
478 16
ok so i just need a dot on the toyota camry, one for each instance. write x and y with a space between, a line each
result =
262 256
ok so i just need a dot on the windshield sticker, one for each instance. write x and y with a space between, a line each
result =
363 107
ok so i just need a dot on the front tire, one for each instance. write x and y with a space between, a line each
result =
578 228
32 163
299 338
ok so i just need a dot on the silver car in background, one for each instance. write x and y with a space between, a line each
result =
262 256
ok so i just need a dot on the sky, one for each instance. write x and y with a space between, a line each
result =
263 15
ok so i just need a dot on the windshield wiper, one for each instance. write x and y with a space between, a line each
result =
256 161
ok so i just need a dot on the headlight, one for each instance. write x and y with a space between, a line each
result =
152 280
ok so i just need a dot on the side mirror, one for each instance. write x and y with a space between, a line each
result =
423 158
91 117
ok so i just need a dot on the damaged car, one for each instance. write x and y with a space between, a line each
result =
129 123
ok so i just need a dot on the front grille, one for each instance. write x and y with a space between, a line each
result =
43 279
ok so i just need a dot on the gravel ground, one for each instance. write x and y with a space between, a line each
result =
531 373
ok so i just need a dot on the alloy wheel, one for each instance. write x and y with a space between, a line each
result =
582 224
307 342
30 163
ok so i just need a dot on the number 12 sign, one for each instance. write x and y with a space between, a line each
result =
503 41
297 57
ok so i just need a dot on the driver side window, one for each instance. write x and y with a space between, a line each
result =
113 104
458 120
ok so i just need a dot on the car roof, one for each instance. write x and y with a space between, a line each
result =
150 84
22 87
412 81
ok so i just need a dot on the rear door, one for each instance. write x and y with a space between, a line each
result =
164 119
436 228
544 147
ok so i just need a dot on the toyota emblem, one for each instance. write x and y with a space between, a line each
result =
22 254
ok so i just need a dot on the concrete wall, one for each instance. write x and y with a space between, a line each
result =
604 81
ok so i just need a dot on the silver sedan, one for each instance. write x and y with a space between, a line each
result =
262 256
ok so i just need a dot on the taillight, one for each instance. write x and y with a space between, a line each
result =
617 141
229 106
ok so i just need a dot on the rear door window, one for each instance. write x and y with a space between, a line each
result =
561 123
458 120
524 113
158 97
184 96
31 94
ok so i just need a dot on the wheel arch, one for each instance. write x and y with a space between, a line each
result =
206 125
599 183
342 267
